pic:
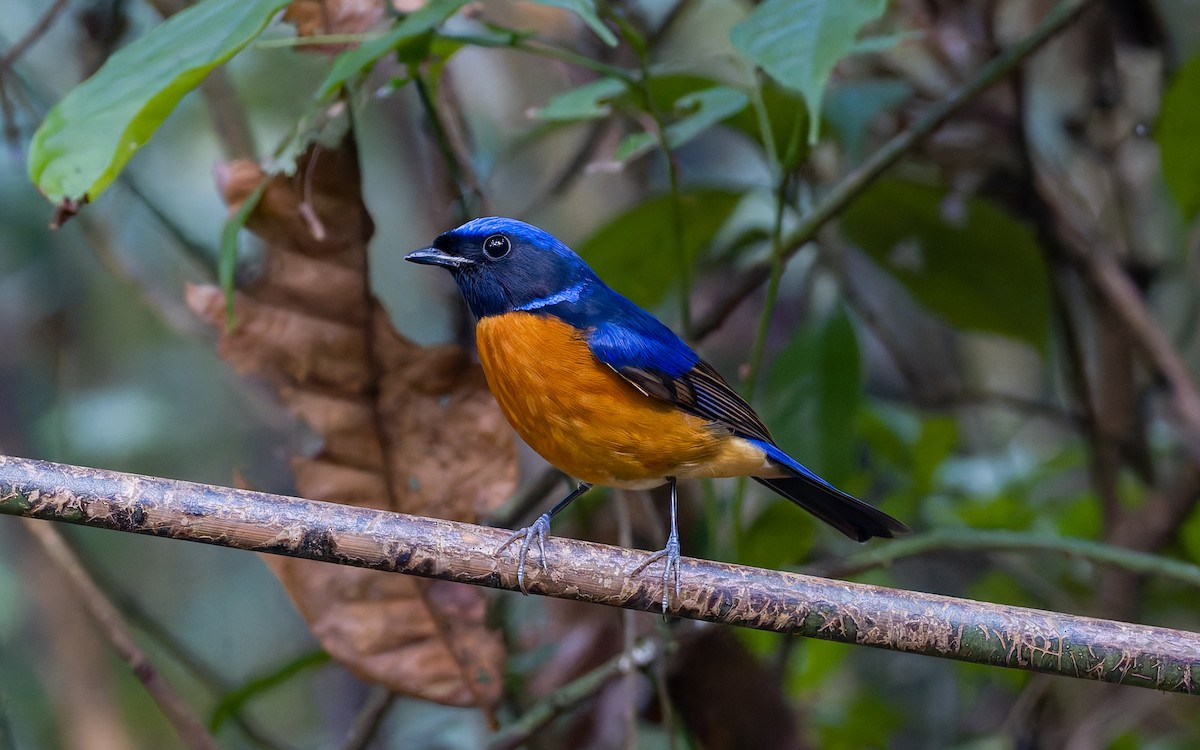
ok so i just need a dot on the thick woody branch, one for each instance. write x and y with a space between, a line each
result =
892 619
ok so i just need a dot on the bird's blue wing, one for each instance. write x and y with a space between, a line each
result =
659 364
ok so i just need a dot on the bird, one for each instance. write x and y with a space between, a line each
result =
610 395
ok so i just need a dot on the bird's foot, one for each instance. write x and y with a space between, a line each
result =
537 530
671 560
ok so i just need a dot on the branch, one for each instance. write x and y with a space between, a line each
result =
24 43
572 694
844 192
1115 287
892 619
113 627
370 717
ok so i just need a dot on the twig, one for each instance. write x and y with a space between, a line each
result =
112 625
860 179
572 694
369 719
8 115
41 27
1017 637
661 135
944 540
1118 290
178 650
7 108
469 194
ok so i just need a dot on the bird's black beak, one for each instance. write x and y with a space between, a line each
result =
431 256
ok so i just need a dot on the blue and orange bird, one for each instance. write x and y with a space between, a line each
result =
607 393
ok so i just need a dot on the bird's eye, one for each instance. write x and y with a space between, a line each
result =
496 246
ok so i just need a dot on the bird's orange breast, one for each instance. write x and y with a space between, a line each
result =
587 420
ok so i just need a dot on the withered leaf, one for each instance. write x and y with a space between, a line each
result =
403 427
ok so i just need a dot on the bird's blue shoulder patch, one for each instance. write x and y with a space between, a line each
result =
621 334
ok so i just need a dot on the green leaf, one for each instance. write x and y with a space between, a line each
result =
812 393
780 536
933 446
415 25
586 10
634 145
89 136
1177 128
798 42
977 267
706 108
851 108
227 261
587 102
634 251
1189 532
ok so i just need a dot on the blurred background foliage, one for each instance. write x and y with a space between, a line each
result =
949 347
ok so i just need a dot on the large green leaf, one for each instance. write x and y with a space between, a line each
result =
977 267
798 42
635 251
415 25
1178 127
812 393
89 136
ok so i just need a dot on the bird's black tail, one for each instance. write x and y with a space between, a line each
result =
846 513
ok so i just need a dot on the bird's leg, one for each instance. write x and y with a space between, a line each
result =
669 554
538 529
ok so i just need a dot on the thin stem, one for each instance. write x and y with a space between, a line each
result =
179 651
944 540
313 40
523 43
685 263
664 145
35 32
457 171
572 694
112 625
780 176
777 266
844 192
369 719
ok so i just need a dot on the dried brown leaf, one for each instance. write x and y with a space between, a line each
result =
403 427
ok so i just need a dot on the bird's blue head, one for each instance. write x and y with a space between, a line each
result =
502 265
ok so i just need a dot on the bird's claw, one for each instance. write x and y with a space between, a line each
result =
671 556
537 530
